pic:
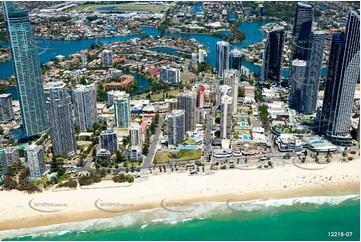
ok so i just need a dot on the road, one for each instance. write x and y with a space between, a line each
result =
210 118
148 161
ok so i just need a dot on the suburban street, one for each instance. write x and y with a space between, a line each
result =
148 161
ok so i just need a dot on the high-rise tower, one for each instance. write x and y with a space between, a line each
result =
273 59
61 120
222 62
342 75
27 70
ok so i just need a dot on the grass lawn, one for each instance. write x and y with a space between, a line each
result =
173 93
120 6
187 77
183 155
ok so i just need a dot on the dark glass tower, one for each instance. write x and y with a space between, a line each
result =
27 70
302 26
342 75
273 59
235 60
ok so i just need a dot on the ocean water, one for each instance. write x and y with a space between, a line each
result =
306 218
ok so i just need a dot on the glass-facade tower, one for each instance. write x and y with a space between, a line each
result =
27 70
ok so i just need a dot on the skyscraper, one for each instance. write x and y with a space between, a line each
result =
176 127
109 140
6 108
273 56
314 60
27 70
342 75
235 60
302 26
122 111
135 133
299 68
187 102
226 117
85 106
222 61
36 161
61 120
231 78
304 88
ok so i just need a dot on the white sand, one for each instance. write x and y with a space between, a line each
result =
80 204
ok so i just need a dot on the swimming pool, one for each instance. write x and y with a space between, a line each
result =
243 124
245 136
187 147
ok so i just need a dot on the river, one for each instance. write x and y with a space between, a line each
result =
48 49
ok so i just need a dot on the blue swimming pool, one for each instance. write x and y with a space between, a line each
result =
243 124
245 136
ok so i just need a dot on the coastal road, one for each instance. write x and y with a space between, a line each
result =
148 161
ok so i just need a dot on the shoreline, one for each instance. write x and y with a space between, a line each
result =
14 229
174 191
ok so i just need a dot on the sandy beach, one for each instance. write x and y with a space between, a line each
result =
174 191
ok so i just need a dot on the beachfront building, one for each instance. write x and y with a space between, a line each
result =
273 56
135 134
36 161
176 127
4 165
12 154
6 108
109 141
226 117
122 110
222 60
85 106
187 102
169 74
136 153
107 57
62 130
26 64
235 59
231 78
343 73
103 157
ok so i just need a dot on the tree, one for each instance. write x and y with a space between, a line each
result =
9 183
61 171
119 157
